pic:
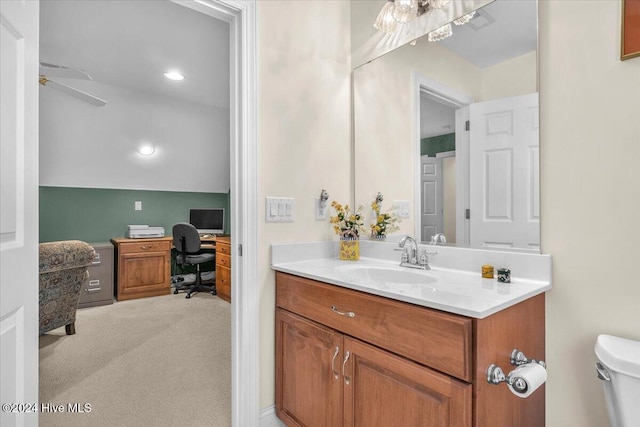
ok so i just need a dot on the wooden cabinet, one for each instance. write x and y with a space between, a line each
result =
98 289
347 358
223 267
143 267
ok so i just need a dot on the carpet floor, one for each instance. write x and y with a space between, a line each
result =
161 361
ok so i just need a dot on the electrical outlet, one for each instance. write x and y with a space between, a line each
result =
321 212
137 206
402 208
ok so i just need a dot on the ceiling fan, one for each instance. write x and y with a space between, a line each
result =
47 69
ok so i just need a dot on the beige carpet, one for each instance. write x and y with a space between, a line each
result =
161 361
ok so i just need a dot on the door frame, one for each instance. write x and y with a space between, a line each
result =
446 95
245 307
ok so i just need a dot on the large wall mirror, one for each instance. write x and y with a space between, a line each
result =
450 128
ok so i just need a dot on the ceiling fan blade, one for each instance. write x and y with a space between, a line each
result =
62 71
76 93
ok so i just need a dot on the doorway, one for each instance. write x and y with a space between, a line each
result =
243 192
441 153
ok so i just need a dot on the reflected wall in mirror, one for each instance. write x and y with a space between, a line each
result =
411 107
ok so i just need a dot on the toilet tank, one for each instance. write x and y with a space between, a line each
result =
619 366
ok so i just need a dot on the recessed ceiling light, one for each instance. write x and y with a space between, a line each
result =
146 150
174 75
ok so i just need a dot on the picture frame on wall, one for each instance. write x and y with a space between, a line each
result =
630 37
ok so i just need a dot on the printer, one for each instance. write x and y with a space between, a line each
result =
144 231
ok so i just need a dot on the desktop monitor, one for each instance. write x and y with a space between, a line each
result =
207 221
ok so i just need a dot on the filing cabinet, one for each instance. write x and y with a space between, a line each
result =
98 289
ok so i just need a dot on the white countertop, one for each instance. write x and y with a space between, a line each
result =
454 291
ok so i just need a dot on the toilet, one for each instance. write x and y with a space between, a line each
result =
618 366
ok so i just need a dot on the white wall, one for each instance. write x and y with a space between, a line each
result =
517 76
304 133
590 198
82 145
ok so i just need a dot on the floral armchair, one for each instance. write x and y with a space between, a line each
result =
63 270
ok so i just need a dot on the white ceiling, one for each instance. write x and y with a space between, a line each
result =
435 118
132 43
514 33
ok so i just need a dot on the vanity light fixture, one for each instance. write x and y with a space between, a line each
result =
403 11
174 75
440 33
146 150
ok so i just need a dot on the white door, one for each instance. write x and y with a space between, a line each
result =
431 197
19 211
504 164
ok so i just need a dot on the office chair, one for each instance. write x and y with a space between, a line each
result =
187 242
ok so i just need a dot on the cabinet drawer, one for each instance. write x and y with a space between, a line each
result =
223 248
96 288
223 260
223 283
143 246
102 263
433 338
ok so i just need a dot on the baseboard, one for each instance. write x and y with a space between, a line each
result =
268 417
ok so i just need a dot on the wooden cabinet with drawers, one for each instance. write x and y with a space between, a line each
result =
346 358
98 289
223 267
143 267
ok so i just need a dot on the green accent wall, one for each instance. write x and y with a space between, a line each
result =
97 215
437 144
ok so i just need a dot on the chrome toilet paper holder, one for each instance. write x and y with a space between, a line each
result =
495 375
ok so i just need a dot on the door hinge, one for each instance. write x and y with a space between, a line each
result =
467 213
240 249
467 125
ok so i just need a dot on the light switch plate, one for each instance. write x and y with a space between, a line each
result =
280 209
137 206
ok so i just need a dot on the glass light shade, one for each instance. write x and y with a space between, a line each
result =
385 21
464 18
437 4
440 33
405 10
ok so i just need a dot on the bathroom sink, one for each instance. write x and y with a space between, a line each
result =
384 274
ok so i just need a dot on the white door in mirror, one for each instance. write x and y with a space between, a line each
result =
504 164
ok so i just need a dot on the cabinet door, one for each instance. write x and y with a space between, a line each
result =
308 379
382 389
143 274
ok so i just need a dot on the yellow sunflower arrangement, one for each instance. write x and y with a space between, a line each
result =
386 222
347 224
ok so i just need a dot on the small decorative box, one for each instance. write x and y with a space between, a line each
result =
487 271
504 275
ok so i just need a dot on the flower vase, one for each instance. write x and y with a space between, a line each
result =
349 249
379 237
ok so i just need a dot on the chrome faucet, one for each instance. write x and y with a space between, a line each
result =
438 238
410 257
413 255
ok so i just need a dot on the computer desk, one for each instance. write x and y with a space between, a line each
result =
208 241
221 245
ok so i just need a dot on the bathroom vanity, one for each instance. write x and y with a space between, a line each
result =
347 356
